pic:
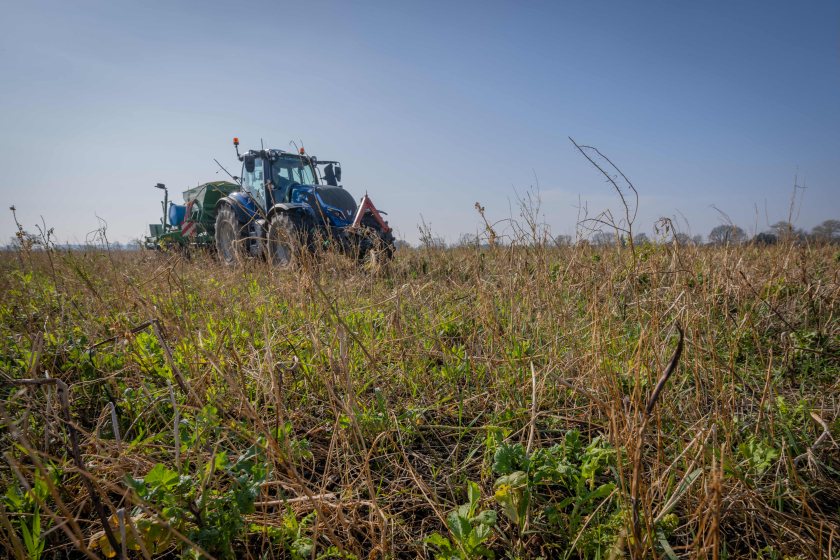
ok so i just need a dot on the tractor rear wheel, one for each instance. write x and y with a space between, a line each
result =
230 243
286 239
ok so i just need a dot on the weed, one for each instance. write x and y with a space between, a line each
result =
560 486
26 505
468 528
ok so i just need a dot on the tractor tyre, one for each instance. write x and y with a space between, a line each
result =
382 252
287 239
230 243
377 246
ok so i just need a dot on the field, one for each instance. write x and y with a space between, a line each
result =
507 402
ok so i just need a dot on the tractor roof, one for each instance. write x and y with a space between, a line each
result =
273 153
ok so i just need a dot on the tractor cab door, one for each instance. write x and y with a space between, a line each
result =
253 180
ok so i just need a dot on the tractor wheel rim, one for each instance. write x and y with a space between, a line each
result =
281 253
227 242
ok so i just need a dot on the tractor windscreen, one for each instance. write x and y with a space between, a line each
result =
292 169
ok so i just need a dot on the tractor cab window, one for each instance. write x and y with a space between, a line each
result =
286 170
253 181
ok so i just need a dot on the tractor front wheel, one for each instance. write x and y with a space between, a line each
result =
376 247
286 239
380 252
230 242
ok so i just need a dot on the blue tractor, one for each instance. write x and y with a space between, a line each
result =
290 204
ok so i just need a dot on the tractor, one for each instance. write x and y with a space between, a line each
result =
283 206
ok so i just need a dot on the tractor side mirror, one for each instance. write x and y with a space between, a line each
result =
329 175
249 164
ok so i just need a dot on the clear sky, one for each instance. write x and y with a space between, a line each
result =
430 106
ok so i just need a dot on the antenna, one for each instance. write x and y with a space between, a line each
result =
235 179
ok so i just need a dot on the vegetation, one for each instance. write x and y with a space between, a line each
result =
480 402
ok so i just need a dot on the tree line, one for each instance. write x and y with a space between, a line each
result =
729 234
780 232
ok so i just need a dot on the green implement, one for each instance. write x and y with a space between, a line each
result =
192 223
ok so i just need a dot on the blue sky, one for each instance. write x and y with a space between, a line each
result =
430 106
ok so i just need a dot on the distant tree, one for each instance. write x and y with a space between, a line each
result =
468 240
602 238
697 239
640 239
786 231
765 238
781 228
828 231
727 235
563 240
402 244
683 239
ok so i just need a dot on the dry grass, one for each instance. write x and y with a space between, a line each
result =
373 398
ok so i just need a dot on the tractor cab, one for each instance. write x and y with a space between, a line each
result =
276 177
269 176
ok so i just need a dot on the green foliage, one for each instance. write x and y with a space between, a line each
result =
292 534
26 509
211 515
560 486
299 447
433 374
468 528
815 355
758 454
514 496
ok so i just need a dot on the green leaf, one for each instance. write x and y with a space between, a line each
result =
36 523
486 517
460 526
601 492
245 498
13 498
516 479
302 548
161 477
666 546
509 458
572 444
40 488
439 541
473 495
220 461
480 533
30 540
485 552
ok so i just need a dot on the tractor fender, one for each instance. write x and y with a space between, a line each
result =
291 208
242 206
